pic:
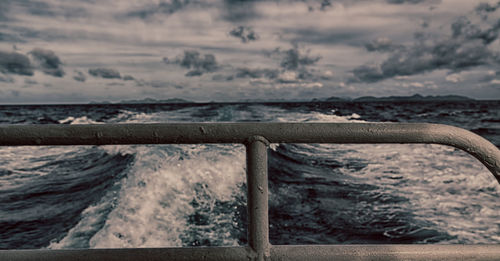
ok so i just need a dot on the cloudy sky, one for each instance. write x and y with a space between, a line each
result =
59 51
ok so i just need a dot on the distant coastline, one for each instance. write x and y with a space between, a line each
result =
412 98
146 101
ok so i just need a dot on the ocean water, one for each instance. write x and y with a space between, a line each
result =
194 195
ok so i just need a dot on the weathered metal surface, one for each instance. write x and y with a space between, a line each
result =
256 137
278 253
192 133
387 252
257 197
131 254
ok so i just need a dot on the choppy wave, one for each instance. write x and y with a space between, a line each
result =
168 190
190 195
381 194
42 200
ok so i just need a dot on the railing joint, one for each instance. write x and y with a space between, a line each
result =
256 138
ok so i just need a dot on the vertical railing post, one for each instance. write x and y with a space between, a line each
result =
257 197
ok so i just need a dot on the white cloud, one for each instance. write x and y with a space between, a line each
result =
288 77
454 78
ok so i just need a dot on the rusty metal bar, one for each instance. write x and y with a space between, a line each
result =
257 197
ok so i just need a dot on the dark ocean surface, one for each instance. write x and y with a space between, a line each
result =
190 195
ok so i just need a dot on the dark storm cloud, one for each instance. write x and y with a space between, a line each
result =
240 10
292 68
381 44
193 73
252 73
293 59
246 34
157 84
323 5
192 59
257 73
44 8
369 73
48 62
164 7
79 76
468 46
15 63
196 63
483 8
128 78
464 28
106 73
327 37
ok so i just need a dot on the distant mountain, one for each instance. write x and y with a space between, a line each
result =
330 99
99 102
270 100
151 101
413 98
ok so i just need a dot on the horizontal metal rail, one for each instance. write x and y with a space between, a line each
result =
278 253
193 133
256 137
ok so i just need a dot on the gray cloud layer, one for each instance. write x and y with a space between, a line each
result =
292 68
48 62
246 34
15 63
6 78
293 59
487 8
381 44
3 10
468 46
164 7
196 63
106 73
79 76
240 10
257 73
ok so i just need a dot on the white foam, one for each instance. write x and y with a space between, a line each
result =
154 201
91 221
445 186
79 120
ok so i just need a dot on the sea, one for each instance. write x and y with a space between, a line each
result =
61 197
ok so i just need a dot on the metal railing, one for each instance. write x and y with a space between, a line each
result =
256 137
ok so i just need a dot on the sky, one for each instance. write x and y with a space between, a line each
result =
59 51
